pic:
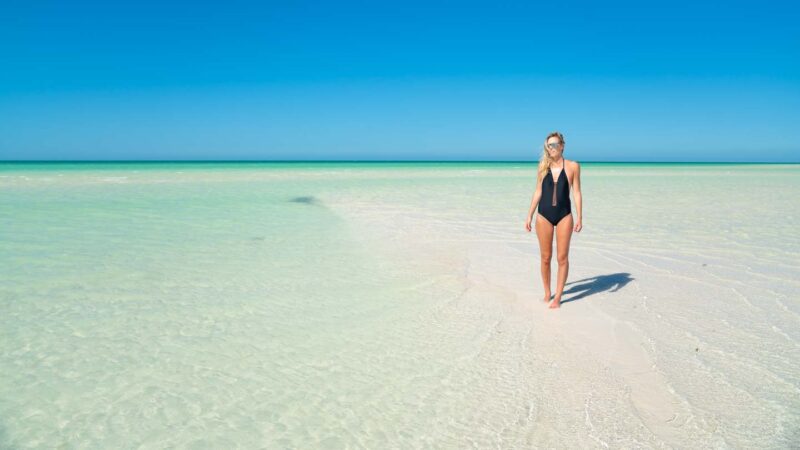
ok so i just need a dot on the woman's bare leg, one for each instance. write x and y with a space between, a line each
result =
563 236
544 231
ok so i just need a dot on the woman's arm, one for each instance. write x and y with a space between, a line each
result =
576 194
537 194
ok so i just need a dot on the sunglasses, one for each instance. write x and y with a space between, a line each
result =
553 146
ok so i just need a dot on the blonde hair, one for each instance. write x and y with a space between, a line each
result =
545 160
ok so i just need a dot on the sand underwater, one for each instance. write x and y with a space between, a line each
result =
395 305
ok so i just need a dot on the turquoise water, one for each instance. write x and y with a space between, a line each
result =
321 304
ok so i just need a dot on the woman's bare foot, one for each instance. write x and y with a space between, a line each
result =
547 296
556 302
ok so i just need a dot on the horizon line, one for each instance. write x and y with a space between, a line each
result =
28 161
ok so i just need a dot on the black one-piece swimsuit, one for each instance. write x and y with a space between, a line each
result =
554 204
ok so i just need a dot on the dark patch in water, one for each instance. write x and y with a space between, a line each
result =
258 238
307 199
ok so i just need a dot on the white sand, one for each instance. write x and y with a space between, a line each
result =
656 344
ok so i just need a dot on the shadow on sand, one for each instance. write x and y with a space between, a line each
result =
590 286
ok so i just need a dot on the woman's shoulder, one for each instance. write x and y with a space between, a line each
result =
574 165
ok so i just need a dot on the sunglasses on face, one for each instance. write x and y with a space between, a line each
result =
553 145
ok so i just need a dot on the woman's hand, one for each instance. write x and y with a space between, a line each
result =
528 223
578 225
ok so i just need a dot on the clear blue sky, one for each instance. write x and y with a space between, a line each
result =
624 81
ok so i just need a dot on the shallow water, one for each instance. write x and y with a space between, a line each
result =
365 305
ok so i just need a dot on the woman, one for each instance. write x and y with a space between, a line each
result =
555 177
